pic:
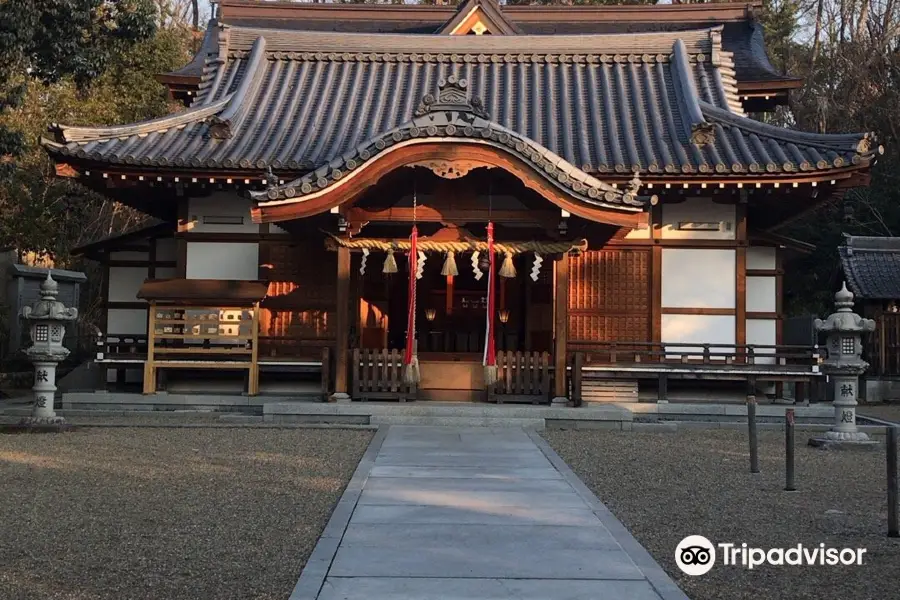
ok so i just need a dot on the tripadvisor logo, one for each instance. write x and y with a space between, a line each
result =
696 555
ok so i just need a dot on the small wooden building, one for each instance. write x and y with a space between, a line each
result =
871 267
633 199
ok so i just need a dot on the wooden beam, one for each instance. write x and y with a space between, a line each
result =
697 311
560 327
656 294
183 225
342 319
427 214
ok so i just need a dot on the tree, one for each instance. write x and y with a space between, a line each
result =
48 40
39 212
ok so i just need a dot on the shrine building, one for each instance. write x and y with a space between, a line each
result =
472 202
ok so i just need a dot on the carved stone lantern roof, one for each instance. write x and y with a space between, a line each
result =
48 307
844 320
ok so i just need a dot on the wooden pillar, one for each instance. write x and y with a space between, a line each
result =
342 318
560 327
740 270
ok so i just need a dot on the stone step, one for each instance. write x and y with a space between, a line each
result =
454 421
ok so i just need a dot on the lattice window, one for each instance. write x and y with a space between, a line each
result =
609 296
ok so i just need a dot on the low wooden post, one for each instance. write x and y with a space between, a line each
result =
326 372
751 425
577 364
892 434
789 450
662 394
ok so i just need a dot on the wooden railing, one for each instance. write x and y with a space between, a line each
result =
691 353
735 362
378 375
522 377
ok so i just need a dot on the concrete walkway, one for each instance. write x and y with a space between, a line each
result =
474 514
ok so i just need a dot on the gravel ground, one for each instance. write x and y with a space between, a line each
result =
888 412
153 513
664 487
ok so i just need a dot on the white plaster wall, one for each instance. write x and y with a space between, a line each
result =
697 329
166 249
129 255
641 233
273 228
226 204
698 210
126 320
698 278
222 260
124 283
761 294
761 257
763 332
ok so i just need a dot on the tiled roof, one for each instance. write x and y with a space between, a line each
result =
872 266
662 103
742 35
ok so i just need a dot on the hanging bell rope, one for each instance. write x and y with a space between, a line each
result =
508 269
490 352
449 269
390 263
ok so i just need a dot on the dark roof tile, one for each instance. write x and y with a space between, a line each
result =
657 103
872 266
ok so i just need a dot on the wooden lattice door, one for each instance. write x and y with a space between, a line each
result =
609 296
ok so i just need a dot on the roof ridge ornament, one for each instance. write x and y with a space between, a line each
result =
452 95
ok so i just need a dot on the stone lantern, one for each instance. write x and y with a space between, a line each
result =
47 318
844 365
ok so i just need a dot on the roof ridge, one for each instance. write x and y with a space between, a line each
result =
284 40
66 133
223 125
863 143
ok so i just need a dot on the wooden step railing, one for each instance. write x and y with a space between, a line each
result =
378 375
522 377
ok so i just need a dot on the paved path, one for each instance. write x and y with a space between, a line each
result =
474 514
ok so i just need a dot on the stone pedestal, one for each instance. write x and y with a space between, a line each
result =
844 365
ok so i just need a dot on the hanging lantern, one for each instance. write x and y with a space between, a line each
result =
484 263
430 314
503 315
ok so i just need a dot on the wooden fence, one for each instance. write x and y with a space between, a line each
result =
378 375
522 377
